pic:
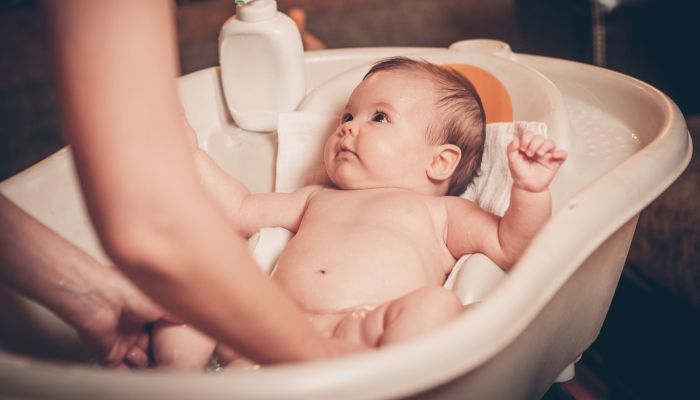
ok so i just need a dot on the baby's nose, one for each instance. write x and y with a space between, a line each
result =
349 128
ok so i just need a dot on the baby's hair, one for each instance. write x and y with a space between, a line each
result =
460 120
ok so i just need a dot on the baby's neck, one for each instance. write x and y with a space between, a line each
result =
428 191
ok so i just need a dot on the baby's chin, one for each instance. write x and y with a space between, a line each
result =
355 185
348 179
339 184
348 184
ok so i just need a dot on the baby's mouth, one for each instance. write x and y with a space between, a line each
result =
345 151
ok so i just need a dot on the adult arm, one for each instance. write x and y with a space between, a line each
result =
116 65
107 310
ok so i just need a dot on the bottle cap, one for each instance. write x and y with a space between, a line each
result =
256 10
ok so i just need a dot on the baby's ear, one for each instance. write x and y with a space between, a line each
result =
443 162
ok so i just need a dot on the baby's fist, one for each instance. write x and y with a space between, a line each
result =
533 161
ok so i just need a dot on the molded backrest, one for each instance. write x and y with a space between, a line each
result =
494 96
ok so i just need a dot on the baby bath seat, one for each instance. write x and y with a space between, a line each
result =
627 142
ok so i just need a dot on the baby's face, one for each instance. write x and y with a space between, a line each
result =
381 140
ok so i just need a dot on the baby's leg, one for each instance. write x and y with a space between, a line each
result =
404 318
178 346
419 312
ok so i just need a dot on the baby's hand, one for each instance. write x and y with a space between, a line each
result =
533 161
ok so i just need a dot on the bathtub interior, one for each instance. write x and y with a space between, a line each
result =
610 124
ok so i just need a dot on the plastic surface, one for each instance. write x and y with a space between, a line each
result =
627 143
262 65
256 11
494 96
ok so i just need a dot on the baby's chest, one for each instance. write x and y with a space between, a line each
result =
384 209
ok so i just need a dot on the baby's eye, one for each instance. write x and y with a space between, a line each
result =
346 118
380 117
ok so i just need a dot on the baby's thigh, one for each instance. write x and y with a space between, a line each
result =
408 316
362 326
417 313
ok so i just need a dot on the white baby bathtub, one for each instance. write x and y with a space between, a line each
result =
627 142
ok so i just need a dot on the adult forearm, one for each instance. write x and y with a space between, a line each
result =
116 66
44 266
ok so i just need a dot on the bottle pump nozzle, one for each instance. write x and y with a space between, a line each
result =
256 10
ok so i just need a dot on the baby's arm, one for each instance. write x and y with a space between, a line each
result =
247 212
533 162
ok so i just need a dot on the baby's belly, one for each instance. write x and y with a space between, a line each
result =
347 267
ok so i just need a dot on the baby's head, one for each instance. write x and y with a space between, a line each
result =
407 121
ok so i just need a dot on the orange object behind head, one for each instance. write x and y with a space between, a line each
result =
494 96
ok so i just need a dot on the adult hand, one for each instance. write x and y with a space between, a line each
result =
118 332
109 312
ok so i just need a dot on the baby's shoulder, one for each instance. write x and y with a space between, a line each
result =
455 204
311 190
320 192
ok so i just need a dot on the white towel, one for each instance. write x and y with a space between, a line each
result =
491 190
267 245
302 136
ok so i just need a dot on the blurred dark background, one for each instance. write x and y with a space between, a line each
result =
648 346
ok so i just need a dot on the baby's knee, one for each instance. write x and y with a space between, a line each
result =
441 300
418 312
430 302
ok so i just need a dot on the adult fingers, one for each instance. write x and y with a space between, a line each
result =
137 358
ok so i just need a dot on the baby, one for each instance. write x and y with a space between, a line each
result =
371 254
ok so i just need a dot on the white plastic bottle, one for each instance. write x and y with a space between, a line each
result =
262 65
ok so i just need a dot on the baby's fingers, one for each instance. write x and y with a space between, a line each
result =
547 146
514 146
525 140
553 160
513 152
531 143
559 156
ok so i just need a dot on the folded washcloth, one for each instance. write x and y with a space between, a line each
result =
302 136
267 245
491 190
